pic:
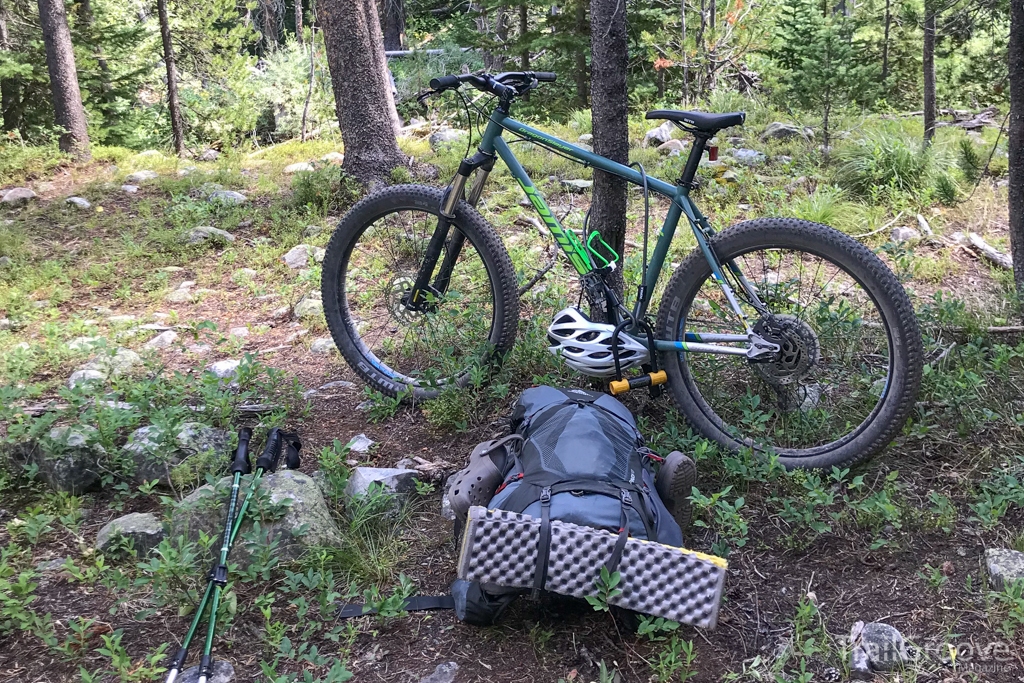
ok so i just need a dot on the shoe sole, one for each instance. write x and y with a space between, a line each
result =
681 483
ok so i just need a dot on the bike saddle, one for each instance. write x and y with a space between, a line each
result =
698 120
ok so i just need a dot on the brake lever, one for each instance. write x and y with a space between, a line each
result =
422 96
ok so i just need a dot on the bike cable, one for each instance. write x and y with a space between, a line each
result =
642 289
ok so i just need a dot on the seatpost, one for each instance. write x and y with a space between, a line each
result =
696 153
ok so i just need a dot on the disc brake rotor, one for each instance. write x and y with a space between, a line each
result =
396 296
799 350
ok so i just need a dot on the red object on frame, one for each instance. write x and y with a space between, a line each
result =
713 153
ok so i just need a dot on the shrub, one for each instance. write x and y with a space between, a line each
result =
324 189
882 163
969 161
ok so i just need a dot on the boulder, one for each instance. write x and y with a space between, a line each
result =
310 306
302 523
209 155
155 453
784 131
883 644
227 197
105 366
336 158
298 168
205 232
363 480
143 529
79 202
672 147
586 138
577 186
298 256
18 196
224 369
659 135
1003 566
904 234
444 137
182 295
222 672
748 157
67 459
162 341
323 346
140 176
244 275
130 189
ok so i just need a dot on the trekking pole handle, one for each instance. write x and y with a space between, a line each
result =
292 446
240 463
271 452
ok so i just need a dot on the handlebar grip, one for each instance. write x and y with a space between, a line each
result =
271 452
240 462
444 82
545 76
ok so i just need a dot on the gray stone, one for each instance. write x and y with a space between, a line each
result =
360 443
224 369
143 529
748 157
5 324
156 454
84 377
585 147
202 233
280 313
162 340
209 155
311 306
860 665
227 197
18 196
883 644
672 146
659 135
446 503
312 231
140 176
209 188
67 458
366 405
578 186
6 262
445 136
323 346
79 202
52 565
392 480
130 189
106 366
180 296
586 137
239 332
336 158
244 275
1003 566
222 672
299 255
783 131
83 344
303 523
296 168
120 319
188 170
340 384
444 673
904 234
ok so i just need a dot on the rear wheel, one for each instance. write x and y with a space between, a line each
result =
370 267
849 368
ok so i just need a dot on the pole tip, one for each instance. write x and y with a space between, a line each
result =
173 674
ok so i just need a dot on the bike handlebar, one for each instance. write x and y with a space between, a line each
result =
502 85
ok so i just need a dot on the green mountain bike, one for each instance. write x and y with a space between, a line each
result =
777 334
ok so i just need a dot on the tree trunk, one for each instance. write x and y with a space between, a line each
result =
392 17
1016 143
524 27
312 78
713 48
682 51
580 58
60 62
9 90
885 40
298 20
362 88
268 14
928 62
173 108
608 98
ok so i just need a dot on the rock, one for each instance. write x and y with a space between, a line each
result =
323 346
52 565
180 296
340 384
366 405
162 340
205 232
227 197
79 202
748 157
224 369
360 443
446 503
311 306
67 459
336 158
445 136
585 147
281 313
298 256
296 168
659 135
312 231
130 189
188 170
306 522
586 137
904 234
120 319
883 644
149 153
393 480
1003 566
106 366
672 146
155 454
84 377
6 262
222 672
18 196
244 275
5 324
578 186
172 269
729 177
239 332
144 530
209 155
200 349
860 665
783 131
444 673
140 176
83 344
206 189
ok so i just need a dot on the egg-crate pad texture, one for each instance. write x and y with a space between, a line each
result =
501 547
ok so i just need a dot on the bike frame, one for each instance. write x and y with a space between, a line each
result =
492 145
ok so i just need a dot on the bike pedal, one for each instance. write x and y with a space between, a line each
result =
651 379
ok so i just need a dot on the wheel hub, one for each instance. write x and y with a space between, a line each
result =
799 350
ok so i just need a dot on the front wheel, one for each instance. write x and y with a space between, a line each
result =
467 321
849 368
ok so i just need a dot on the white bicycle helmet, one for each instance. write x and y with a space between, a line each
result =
586 346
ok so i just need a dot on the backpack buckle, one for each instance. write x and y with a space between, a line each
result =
626 498
545 496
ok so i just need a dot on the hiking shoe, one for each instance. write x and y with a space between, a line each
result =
674 483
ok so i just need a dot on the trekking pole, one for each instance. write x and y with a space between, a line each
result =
239 464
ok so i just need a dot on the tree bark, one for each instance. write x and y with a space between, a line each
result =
682 51
173 107
392 17
713 48
362 88
60 63
608 99
885 40
580 58
269 18
298 20
928 62
1016 143
524 27
9 90
312 78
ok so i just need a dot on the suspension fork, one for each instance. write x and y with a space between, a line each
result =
444 233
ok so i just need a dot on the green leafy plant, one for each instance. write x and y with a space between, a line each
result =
607 589
675 661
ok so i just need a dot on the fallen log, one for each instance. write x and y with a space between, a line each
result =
990 252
